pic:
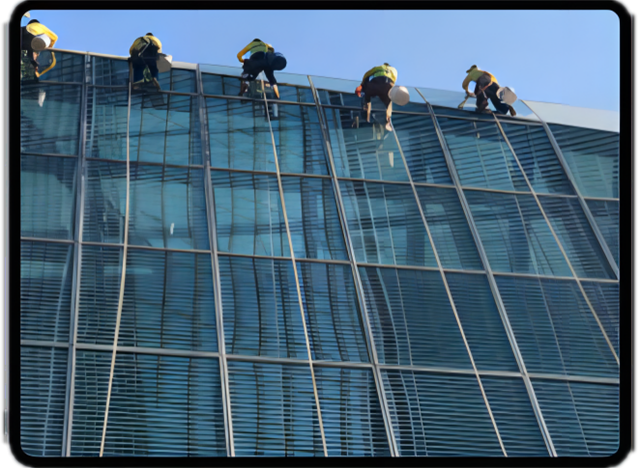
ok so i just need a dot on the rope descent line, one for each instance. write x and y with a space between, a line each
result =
122 277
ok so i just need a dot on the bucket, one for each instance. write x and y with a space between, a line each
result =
40 42
399 95
164 63
507 95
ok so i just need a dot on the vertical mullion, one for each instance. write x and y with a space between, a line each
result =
492 284
450 296
583 203
215 266
377 374
555 236
77 263
295 273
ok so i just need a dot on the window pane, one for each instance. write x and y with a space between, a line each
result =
298 138
481 156
249 216
47 196
449 228
363 152
221 85
481 322
68 67
54 126
332 312
607 216
168 301
411 318
515 235
539 161
421 148
105 202
313 218
273 409
605 299
239 135
351 414
555 330
43 379
578 240
46 271
179 80
593 158
439 415
109 72
583 418
261 308
385 224
165 406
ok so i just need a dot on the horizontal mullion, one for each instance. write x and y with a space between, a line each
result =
448 370
550 277
43 239
602 199
271 257
555 195
152 351
376 181
45 344
482 189
146 247
265 359
74 83
147 163
576 378
51 155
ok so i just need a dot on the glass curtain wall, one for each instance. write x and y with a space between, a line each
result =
296 281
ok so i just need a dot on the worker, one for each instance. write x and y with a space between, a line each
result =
486 88
256 63
378 82
35 38
144 55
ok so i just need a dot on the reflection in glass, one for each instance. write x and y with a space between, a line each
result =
607 216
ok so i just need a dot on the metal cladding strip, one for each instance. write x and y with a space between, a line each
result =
295 273
446 285
377 375
77 267
122 280
213 244
555 236
581 199
493 286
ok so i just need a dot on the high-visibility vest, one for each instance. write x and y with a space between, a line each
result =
386 71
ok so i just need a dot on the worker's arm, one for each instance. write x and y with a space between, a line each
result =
394 74
156 42
465 85
369 73
244 51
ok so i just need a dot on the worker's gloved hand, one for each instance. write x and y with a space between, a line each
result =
359 91
241 60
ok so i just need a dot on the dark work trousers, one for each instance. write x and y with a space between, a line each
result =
378 86
490 92
254 65
147 59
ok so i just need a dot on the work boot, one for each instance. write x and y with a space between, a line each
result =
512 111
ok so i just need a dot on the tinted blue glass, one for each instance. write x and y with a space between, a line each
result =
481 322
47 196
105 202
421 148
220 85
165 406
385 224
607 216
555 330
273 410
43 376
351 413
249 216
313 218
481 156
515 235
439 415
166 133
605 299
449 228
100 272
298 138
168 301
577 238
46 271
538 159
109 72
50 118
332 312
183 81
593 158
411 318
583 418
363 150
239 135
68 67
261 308
517 423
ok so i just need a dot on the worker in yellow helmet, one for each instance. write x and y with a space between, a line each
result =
378 82
260 59
144 55
36 38
486 88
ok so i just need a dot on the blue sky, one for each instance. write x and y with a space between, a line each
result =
567 57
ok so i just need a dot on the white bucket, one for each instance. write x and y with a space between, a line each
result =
507 95
40 42
164 63
399 95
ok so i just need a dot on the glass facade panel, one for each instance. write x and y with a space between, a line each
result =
411 319
385 224
605 299
178 80
47 196
607 216
109 72
274 411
